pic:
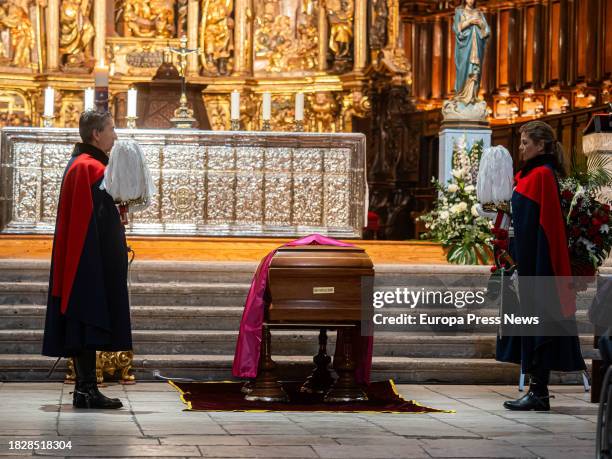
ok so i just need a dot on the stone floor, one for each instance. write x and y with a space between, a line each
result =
152 424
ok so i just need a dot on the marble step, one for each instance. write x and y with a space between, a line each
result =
196 294
149 271
404 370
179 318
193 294
143 317
284 342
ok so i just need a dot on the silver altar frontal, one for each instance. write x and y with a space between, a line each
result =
209 183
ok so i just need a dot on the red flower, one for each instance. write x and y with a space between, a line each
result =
567 195
596 223
592 231
598 240
606 207
605 218
575 232
584 219
501 244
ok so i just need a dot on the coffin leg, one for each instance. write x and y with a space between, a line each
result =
345 389
266 387
321 379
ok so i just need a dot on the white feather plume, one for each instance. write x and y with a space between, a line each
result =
127 177
495 176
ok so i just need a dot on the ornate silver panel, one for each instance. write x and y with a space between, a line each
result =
207 182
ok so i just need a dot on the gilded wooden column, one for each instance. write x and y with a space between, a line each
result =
192 35
323 36
100 27
52 32
361 34
242 44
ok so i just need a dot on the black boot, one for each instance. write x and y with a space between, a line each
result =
86 393
537 398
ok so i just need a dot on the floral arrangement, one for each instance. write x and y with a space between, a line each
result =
454 221
587 217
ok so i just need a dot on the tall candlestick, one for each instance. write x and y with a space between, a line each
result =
299 106
235 111
49 101
101 75
89 99
132 102
267 106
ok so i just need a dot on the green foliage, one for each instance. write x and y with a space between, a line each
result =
454 221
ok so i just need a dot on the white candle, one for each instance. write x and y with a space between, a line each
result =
89 99
235 112
131 103
299 106
49 101
267 106
101 75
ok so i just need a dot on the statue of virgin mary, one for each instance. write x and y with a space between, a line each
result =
471 33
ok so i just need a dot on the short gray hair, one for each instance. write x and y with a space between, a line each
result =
91 120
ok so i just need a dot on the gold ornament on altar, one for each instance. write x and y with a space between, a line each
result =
14 17
147 18
354 104
324 108
340 15
76 33
283 43
216 36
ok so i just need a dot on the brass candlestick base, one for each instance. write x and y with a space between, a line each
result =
131 122
265 125
298 126
48 121
183 116
235 125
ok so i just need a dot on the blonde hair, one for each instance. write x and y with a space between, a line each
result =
539 131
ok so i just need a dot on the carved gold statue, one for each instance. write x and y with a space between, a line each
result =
14 16
148 18
340 16
216 36
76 32
323 108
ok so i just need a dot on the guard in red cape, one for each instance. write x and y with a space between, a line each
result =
88 303
541 252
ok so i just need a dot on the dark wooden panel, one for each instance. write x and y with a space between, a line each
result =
555 37
607 38
529 43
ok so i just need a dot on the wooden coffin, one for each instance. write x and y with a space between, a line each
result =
318 284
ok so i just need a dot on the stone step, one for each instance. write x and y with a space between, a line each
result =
143 317
206 295
179 318
284 342
149 271
405 370
12 270
200 294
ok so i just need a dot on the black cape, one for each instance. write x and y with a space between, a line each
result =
88 303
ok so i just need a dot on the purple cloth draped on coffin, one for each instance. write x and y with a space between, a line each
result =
246 358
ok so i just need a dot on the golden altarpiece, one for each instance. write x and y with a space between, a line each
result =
281 46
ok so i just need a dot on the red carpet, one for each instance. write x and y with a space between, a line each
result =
226 396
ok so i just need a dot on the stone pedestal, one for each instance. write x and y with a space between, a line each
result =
448 137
